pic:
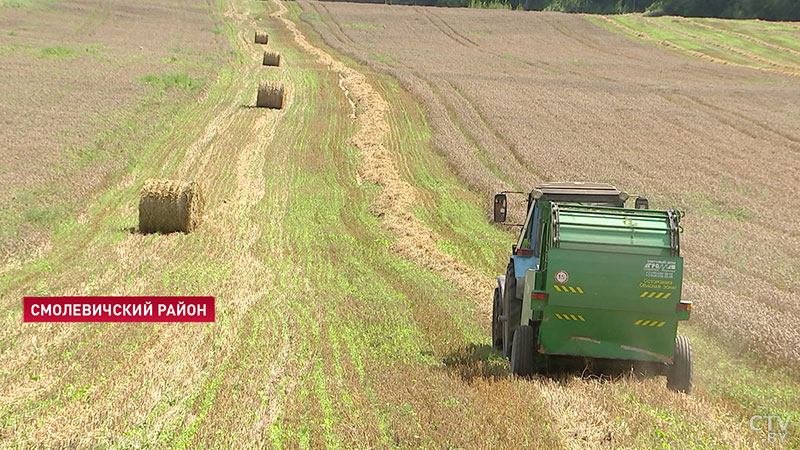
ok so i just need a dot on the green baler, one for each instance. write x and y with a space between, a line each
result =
593 281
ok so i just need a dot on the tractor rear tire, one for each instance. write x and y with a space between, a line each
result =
679 373
497 322
512 310
522 351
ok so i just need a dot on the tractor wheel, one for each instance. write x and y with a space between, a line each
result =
512 310
679 374
497 323
522 351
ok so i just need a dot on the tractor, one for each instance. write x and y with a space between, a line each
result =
592 282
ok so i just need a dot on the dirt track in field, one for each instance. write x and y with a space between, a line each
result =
395 204
573 101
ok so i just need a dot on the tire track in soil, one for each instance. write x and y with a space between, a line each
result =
480 126
448 135
337 33
479 120
469 144
436 111
588 42
488 148
394 205
452 29
472 145
793 142
336 24
715 168
420 10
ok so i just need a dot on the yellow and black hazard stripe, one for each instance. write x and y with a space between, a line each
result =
575 317
652 294
649 323
568 289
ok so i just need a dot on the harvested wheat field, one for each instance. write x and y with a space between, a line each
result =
345 238
77 77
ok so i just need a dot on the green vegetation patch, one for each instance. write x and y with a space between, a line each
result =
164 82
57 52
579 62
32 209
310 17
14 46
365 26
385 58
661 32
490 4
720 39
27 4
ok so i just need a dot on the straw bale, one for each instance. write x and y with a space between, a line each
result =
270 95
166 206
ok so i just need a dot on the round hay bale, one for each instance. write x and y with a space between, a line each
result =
272 58
167 206
270 95
261 37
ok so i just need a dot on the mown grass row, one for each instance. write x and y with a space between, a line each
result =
743 42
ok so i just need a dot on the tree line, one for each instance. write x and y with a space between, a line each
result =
730 9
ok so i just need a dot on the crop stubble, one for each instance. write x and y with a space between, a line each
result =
152 364
518 98
283 361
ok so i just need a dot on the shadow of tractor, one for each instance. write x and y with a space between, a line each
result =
483 361
477 361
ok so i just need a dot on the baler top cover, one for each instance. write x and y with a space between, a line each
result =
616 230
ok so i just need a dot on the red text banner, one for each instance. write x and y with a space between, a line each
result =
118 309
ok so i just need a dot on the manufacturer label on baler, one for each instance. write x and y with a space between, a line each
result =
659 268
651 283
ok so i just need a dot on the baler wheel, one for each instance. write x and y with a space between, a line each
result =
497 323
522 351
679 374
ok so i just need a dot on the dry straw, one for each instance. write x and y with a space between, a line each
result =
167 206
272 58
270 95
261 37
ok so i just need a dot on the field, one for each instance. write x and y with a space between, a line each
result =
576 102
81 82
346 238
